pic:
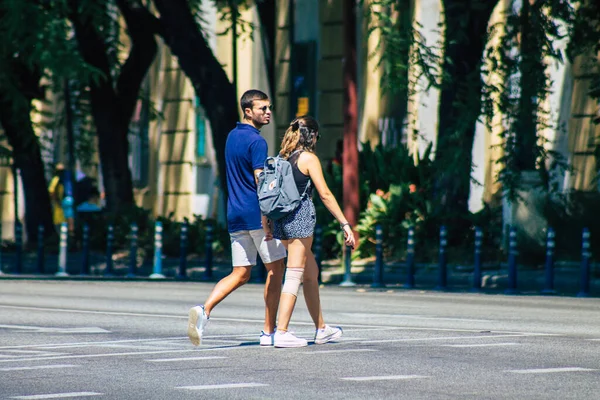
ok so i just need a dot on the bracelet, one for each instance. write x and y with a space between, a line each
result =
343 225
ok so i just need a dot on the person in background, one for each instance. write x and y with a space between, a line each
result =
56 189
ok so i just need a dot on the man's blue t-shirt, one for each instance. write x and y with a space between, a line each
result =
245 151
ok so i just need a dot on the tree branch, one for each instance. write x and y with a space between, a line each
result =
141 26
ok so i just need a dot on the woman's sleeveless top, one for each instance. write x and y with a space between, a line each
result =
300 179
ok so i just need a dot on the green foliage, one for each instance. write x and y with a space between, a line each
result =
403 47
396 191
527 42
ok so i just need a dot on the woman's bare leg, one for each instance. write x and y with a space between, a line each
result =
297 250
310 288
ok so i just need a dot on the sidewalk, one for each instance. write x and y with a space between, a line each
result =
494 276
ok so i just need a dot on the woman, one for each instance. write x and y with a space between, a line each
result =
296 232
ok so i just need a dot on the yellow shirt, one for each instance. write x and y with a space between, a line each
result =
56 191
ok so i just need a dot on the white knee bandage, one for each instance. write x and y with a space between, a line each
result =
293 279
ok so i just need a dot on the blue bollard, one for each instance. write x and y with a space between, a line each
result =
85 248
319 249
410 259
208 260
512 262
378 270
158 241
40 249
477 259
347 282
549 267
18 247
62 252
183 245
442 260
110 238
133 247
585 264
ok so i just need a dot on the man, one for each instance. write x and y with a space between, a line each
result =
249 231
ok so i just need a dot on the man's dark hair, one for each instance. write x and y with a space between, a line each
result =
249 96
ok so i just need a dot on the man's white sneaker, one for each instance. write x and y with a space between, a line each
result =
327 334
267 339
287 339
196 323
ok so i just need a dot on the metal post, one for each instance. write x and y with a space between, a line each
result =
348 268
512 262
62 253
158 239
410 258
477 259
319 249
442 260
183 245
133 245
378 270
110 238
40 249
18 247
208 239
549 267
85 257
585 264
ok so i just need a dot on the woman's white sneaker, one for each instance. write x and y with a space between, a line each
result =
328 334
287 339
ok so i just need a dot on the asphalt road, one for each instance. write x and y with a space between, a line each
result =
126 340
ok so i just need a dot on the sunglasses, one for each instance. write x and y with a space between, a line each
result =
264 108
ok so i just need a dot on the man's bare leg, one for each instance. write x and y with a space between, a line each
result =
273 293
237 277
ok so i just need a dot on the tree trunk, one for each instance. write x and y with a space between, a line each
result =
460 100
216 93
266 14
112 109
27 154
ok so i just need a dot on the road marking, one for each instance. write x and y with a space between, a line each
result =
44 329
383 378
550 370
134 353
185 317
413 316
339 351
57 395
441 338
224 386
29 353
38 367
184 359
481 345
85 344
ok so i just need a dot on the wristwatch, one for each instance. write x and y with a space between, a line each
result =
343 225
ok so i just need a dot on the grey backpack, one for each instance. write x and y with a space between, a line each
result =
277 192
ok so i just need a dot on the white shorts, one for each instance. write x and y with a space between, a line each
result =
246 244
